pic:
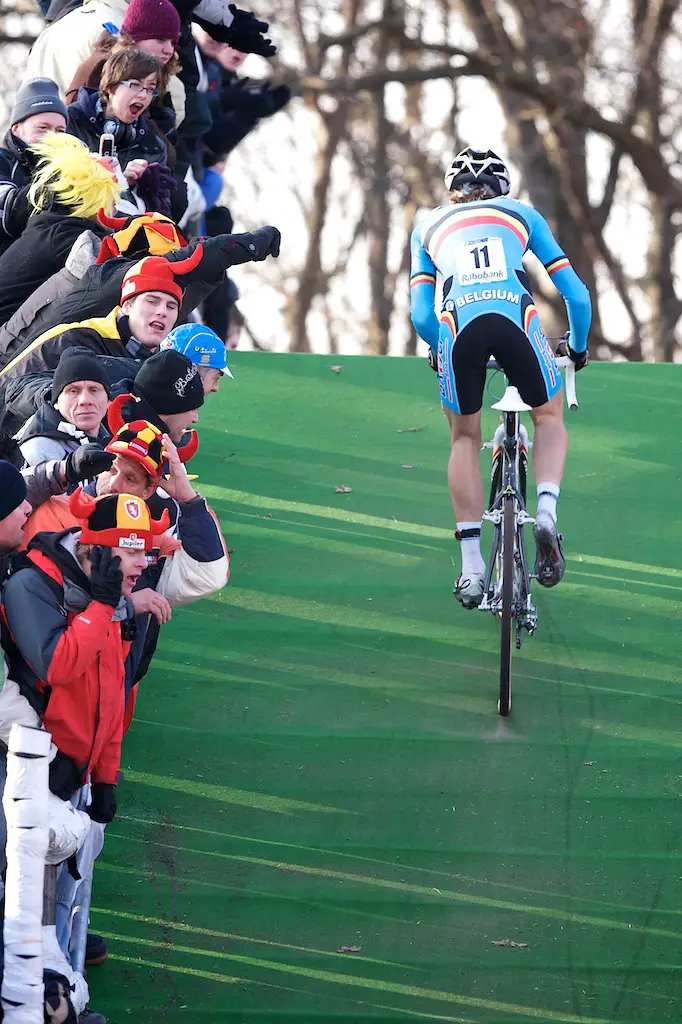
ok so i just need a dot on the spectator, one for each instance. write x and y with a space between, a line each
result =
153 28
98 291
167 392
235 326
206 351
149 234
67 190
74 416
150 300
129 82
37 110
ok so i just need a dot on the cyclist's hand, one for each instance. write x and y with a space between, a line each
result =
580 359
433 359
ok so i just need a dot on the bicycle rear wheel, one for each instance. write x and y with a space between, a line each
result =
507 631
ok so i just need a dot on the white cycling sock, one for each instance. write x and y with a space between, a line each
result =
548 495
472 559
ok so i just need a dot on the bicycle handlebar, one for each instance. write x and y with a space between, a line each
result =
563 362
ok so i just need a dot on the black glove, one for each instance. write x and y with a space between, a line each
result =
252 100
433 359
87 462
103 806
106 578
246 33
65 777
580 359
252 246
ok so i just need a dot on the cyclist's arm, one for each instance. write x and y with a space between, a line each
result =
576 296
423 292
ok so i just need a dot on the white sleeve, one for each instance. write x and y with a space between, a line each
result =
184 579
215 11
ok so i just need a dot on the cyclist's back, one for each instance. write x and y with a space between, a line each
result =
477 243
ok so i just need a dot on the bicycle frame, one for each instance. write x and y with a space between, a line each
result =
507 581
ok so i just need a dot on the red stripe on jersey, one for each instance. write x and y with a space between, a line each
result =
484 220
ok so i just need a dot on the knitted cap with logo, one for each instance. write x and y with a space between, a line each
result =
157 274
142 442
170 383
117 521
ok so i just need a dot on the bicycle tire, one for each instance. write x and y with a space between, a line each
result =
507 624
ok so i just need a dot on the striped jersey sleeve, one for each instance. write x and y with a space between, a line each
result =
423 291
564 278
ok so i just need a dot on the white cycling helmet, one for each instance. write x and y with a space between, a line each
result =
473 168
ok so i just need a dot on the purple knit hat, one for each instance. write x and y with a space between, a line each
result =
151 19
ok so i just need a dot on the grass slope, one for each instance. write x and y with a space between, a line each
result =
316 760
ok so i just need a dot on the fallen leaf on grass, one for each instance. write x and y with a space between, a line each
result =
588 764
335 369
349 949
409 430
343 489
407 467
230 551
510 942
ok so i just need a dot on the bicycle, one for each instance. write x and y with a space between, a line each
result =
507 581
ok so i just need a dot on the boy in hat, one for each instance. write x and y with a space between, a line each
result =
38 109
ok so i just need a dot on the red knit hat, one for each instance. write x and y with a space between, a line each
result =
117 520
157 274
151 19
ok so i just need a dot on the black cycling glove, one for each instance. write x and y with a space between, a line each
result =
87 462
106 578
580 359
432 357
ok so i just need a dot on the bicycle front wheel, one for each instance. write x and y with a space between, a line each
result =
507 631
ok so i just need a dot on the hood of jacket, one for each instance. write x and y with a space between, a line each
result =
47 421
18 151
60 548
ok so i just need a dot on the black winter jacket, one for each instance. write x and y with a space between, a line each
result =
16 166
40 252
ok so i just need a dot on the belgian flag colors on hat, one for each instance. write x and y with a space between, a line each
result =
150 234
157 274
142 442
117 521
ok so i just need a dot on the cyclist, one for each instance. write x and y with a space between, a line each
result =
476 243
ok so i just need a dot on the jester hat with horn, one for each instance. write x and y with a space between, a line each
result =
150 234
117 521
157 274
139 439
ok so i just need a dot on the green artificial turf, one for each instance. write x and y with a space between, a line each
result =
316 760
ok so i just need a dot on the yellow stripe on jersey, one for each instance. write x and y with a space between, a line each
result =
528 315
448 318
479 218
560 263
422 278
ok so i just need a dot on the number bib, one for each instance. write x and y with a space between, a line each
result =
481 260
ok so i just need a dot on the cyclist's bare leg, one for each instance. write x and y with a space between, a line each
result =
464 468
550 443
466 491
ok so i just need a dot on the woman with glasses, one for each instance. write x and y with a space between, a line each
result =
129 83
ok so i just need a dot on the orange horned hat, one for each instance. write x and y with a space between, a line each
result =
117 520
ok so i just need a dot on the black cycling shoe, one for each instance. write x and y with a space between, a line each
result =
96 950
549 560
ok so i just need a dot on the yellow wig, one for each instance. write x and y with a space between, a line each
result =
68 174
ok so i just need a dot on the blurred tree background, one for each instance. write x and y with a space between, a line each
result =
582 99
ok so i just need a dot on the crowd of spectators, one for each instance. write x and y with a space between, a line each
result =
117 316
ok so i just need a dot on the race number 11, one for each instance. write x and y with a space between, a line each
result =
481 260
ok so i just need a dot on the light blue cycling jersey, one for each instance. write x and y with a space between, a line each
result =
477 247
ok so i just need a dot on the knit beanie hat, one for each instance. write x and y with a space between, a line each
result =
77 364
157 274
117 520
39 96
12 488
170 383
151 19
140 441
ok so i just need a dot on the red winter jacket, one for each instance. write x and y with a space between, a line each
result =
77 656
